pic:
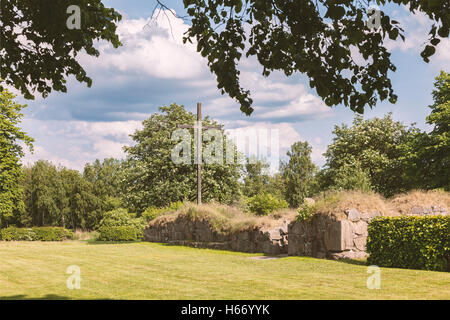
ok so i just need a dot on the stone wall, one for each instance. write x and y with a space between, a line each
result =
326 237
323 236
201 234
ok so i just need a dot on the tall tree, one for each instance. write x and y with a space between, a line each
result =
377 146
38 50
298 173
48 196
315 38
84 207
106 178
428 155
11 150
259 180
439 147
256 177
58 196
154 179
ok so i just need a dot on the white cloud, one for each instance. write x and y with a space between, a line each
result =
155 49
74 143
303 105
156 55
417 26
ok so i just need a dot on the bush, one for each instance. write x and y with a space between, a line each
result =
118 233
121 218
410 242
350 176
152 213
17 234
52 234
265 203
35 234
305 212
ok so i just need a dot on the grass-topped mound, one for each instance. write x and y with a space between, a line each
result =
403 203
335 203
224 219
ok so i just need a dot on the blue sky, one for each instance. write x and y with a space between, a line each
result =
153 69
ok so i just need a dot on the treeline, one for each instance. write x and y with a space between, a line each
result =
379 154
58 196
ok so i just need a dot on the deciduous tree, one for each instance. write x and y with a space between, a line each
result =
315 38
377 147
38 50
298 173
12 139
153 179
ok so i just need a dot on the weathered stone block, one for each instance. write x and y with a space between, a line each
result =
353 214
333 237
347 234
274 234
350 254
360 243
367 216
416 210
359 228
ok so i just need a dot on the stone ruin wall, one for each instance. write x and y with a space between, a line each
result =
320 237
325 237
200 234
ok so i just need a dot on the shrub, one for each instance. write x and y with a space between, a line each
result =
118 233
305 212
350 176
17 234
116 217
122 218
265 203
410 242
35 234
52 234
152 213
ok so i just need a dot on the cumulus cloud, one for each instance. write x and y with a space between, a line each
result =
74 143
152 48
151 69
417 26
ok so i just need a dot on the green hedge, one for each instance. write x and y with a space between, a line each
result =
35 234
120 233
410 242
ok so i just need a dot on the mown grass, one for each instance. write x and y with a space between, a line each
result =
37 270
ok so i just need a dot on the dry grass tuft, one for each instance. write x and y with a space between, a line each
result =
334 203
84 235
403 203
226 219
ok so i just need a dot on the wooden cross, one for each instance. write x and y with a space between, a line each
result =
198 127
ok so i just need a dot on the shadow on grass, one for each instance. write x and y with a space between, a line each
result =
354 261
96 242
46 297
24 297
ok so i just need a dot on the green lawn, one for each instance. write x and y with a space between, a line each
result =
156 271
